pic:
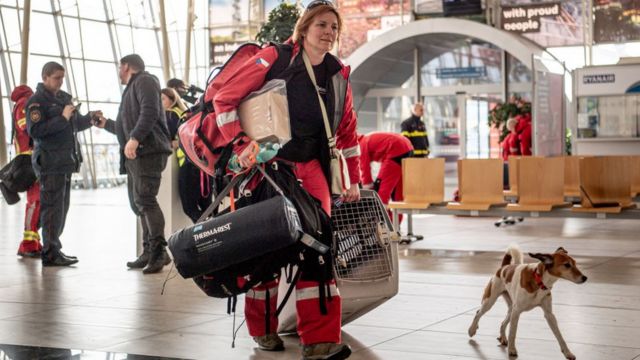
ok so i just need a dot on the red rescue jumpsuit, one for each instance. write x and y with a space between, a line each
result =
30 239
387 149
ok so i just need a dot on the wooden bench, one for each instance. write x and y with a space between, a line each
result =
422 183
634 166
513 177
605 184
572 176
540 184
480 184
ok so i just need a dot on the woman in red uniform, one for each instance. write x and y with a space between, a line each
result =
315 34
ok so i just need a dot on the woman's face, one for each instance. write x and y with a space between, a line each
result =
166 102
322 33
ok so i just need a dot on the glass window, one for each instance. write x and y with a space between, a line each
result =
608 116
91 9
71 37
96 40
10 25
476 63
43 37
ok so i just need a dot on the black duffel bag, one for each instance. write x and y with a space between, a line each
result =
16 177
235 237
275 226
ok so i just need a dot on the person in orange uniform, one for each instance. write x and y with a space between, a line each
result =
30 245
388 149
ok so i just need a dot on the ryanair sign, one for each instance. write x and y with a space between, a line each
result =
599 79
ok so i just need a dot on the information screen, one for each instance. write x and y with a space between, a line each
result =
461 7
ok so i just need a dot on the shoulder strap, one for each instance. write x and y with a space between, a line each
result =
327 127
284 60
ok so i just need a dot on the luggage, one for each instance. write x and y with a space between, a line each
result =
274 227
15 177
235 237
199 135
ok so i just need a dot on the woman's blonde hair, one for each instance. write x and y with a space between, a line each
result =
173 95
305 21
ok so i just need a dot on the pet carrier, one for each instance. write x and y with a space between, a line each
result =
366 263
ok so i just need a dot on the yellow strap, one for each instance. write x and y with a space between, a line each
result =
415 133
28 152
22 122
31 235
420 152
180 156
178 112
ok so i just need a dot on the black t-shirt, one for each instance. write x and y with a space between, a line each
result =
307 124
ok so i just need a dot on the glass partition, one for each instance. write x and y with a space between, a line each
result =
608 116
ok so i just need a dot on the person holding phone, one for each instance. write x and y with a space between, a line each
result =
53 123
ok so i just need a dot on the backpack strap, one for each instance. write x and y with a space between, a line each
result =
285 51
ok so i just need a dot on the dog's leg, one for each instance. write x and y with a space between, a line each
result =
546 305
488 299
515 317
503 327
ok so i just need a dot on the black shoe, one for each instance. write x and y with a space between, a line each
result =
69 256
157 260
140 262
58 260
326 351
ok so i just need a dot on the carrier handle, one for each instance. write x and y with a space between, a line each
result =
227 189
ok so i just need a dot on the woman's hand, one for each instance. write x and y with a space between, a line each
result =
352 194
247 157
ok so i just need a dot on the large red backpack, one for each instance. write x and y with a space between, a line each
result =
199 135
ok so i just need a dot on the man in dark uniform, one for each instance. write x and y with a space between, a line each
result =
53 122
143 134
414 129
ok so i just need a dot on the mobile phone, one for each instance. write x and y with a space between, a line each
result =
77 106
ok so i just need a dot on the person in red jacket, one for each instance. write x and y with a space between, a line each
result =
388 149
315 34
30 245
524 133
511 143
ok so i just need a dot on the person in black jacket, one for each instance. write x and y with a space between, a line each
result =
415 130
53 122
142 132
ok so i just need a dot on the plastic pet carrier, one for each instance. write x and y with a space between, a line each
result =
366 263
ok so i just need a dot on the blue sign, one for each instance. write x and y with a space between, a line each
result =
461 72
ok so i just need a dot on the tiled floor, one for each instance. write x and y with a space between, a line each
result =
99 305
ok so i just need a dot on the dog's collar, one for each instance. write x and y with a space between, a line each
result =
538 278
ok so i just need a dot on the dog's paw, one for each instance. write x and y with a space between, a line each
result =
503 340
569 355
472 330
513 353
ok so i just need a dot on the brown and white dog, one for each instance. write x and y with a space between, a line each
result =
526 286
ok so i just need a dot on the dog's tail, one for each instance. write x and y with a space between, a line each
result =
513 253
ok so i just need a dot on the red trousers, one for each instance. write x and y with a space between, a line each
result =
313 326
390 177
31 238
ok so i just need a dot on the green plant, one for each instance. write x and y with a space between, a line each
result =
279 26
502 112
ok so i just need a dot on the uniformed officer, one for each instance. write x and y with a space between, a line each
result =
53 122
415 130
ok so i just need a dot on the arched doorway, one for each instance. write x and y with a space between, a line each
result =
458 68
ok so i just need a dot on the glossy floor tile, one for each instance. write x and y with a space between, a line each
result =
107 311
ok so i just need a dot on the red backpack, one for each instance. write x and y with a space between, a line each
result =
199 135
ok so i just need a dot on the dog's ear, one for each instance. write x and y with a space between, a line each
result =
546 259
562 250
